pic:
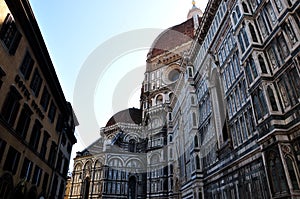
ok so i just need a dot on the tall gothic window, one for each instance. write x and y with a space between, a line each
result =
197 162
243 39
241 42
276 173
273 57
289 87
245 8
246 40
262 64
272 99
263 26
295 80
278 5
196 142
259 104
283 48
271 13
289 30
292 172
253 68
253 33
237 9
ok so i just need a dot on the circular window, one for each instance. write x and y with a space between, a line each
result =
173 75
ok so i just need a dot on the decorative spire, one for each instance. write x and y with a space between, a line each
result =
194 3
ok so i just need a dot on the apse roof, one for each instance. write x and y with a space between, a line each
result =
131 115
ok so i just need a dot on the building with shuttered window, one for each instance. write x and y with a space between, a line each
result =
36 122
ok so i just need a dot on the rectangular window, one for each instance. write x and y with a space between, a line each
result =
44 144
52 112
35 135
2 73
26 169
52 153
2 148
37 175
11 106
9 34
36 82
45 99
24 121
12 160
27 65
45 181
59 123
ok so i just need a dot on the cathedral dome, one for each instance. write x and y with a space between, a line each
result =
171 42
172 38
131 115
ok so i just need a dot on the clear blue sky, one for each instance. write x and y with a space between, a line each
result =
72 30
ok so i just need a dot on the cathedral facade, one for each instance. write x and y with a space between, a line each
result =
219 115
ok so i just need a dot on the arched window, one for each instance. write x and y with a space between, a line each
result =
192 100
194 119
234 18
196 142
276 173
241 42
262 64
245 36
272 99
170 138
245 8
293 176
253 33
253 68
248 73
237 9
190 71
197 162
256 104
132 146
237 64
262 101
159 99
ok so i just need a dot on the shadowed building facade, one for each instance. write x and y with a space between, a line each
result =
36 122
219 115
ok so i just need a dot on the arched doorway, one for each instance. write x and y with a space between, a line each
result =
132 188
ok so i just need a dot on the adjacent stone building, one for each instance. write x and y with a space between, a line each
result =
219 115
36 122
